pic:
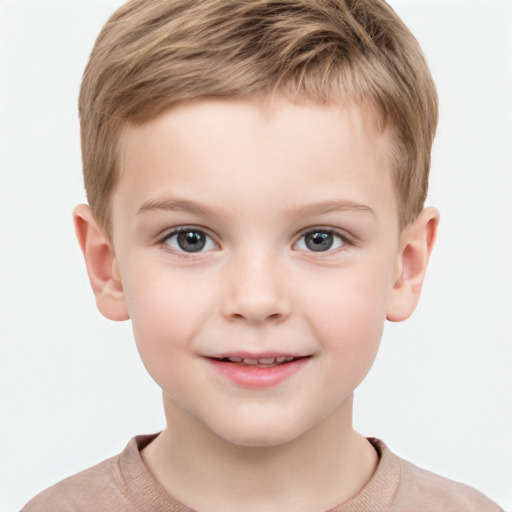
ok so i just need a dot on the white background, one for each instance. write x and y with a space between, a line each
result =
72 388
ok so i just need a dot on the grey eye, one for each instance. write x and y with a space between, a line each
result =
190 240
320 241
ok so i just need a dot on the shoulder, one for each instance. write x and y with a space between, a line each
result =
80 491
424 491
121 483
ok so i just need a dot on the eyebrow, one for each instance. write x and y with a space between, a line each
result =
173 206
330 206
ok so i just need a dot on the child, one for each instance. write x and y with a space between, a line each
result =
256 174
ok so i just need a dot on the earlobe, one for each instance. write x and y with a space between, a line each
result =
101 264
417 241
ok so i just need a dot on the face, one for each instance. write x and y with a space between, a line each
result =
257 245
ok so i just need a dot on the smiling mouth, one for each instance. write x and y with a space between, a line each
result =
258 371
263 362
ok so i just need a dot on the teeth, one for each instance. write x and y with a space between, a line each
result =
268 360
263 360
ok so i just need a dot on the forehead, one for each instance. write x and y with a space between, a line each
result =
284 149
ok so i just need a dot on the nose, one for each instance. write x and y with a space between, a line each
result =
254 291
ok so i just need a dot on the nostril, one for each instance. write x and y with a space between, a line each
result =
255 306
274 317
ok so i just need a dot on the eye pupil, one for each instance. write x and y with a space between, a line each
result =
319 241
191 241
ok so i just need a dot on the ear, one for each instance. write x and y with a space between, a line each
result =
416 243
101 264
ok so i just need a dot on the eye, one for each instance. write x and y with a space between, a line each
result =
189 240
320 240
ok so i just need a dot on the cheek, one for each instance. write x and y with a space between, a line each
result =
351 323
165 313
348 315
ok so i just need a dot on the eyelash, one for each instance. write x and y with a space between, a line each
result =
344 240
185 229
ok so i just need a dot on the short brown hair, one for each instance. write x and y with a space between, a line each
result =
153 54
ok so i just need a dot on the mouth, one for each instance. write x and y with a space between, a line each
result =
259 362
258 371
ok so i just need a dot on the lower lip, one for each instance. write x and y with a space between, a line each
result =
258 378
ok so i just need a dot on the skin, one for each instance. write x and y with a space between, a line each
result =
257 178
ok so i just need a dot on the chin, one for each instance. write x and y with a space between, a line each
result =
259 434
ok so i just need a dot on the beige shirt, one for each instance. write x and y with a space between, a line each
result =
123 483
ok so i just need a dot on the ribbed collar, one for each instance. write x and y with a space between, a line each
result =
147 494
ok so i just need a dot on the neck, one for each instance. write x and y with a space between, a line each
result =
322 468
